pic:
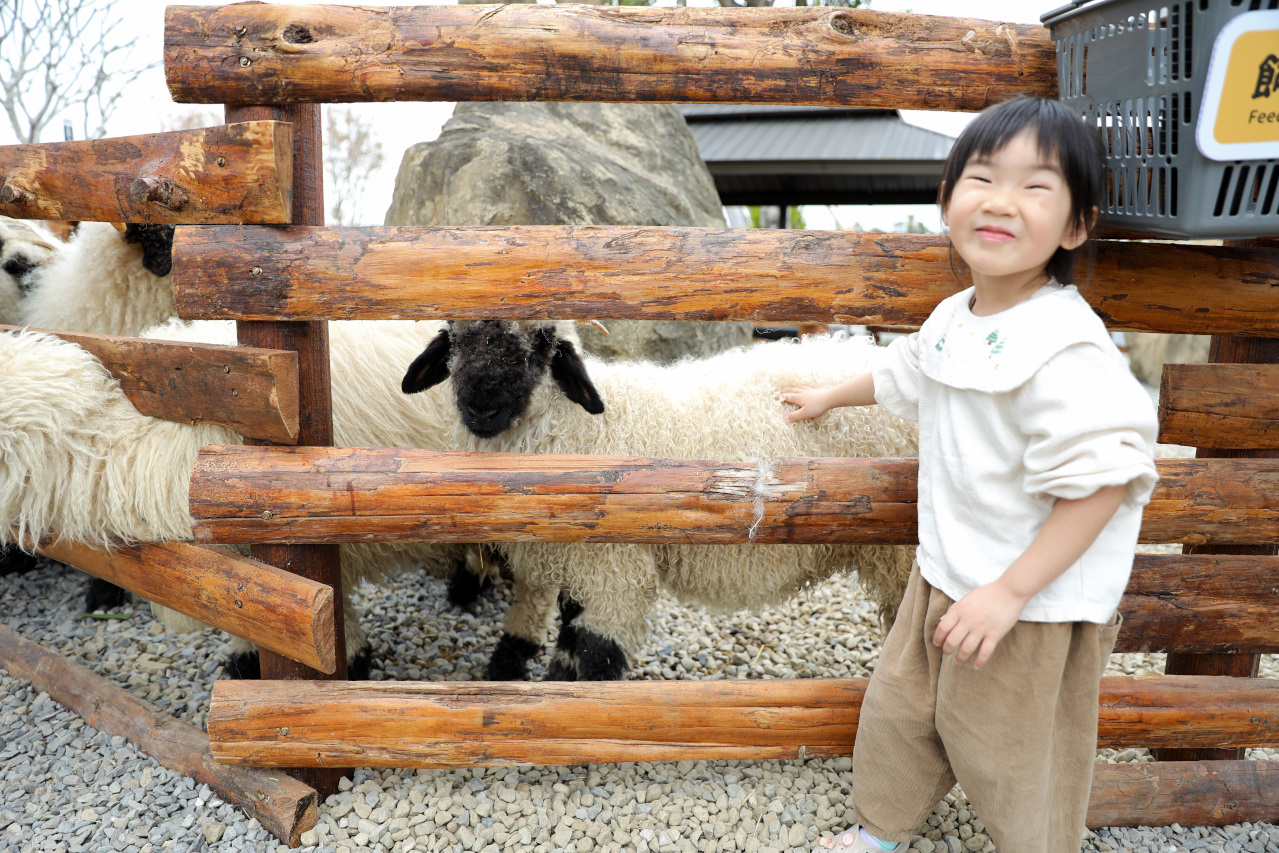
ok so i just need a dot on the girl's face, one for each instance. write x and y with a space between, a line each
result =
1009 212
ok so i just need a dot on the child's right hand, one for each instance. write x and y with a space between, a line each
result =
812 402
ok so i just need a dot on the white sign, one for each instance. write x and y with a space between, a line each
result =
1239 116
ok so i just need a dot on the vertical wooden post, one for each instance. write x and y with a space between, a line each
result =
310 340
1226 350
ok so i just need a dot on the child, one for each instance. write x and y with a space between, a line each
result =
1035 460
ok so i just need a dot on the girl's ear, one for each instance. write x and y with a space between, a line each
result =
1079 234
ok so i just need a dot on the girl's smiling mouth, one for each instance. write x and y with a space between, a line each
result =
994 234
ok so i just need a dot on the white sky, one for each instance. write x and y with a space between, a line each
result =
400 125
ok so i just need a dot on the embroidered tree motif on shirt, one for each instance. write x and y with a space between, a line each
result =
941 341
995 343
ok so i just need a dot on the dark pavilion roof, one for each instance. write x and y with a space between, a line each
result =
783 155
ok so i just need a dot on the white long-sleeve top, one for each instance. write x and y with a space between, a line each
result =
1016 410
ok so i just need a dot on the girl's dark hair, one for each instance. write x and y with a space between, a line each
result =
1060 133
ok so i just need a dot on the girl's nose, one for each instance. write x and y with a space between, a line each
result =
997 202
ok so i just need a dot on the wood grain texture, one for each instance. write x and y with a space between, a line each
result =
1201 604
251 390
343 494
1220 405
285 807
1228 349
1190 793
443 724
321 563
272 608
236 173
609 272
284 53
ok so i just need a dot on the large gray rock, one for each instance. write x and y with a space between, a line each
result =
570 164
1149 351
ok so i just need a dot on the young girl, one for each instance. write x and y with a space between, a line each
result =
1035 460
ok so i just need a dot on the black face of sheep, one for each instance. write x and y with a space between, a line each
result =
496 365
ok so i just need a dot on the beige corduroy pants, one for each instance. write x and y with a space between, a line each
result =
1019 735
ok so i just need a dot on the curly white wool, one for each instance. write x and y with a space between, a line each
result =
82 463
724 407
96 283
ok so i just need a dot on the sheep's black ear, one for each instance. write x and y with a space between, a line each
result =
157 246
430 368
569 373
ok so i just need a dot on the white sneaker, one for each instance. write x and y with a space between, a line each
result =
856 840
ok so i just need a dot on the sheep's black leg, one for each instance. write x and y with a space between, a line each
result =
464 587
246 665
564 664
15 561
359 665
510 659
598 658
243 666
103 595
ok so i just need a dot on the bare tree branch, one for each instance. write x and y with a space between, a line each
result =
350 153
59 55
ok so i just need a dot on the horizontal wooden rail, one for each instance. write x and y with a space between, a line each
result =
1201 604
446 724
854 57
1220 405
1190 793
247 389
285 807
607 272
273 608
344 494
234 173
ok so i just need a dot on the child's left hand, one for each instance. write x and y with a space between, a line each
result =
976 623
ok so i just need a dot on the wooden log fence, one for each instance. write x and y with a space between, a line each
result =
280 54
607 272
285 807
233 173
344 494
272 608
432 724
282 284
1220 405
251 390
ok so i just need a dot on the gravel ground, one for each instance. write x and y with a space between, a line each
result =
68 787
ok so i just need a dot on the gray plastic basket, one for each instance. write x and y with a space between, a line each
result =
1137 69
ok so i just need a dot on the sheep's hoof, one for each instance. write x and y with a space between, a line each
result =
104 595
243 666
464 588
562 668
598 658
246 666
359 666
15 561
510 659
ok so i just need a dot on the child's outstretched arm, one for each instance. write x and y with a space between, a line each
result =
976 623
813 402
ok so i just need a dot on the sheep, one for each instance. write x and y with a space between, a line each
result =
523 387
108 280
83 464
22 251
116 280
